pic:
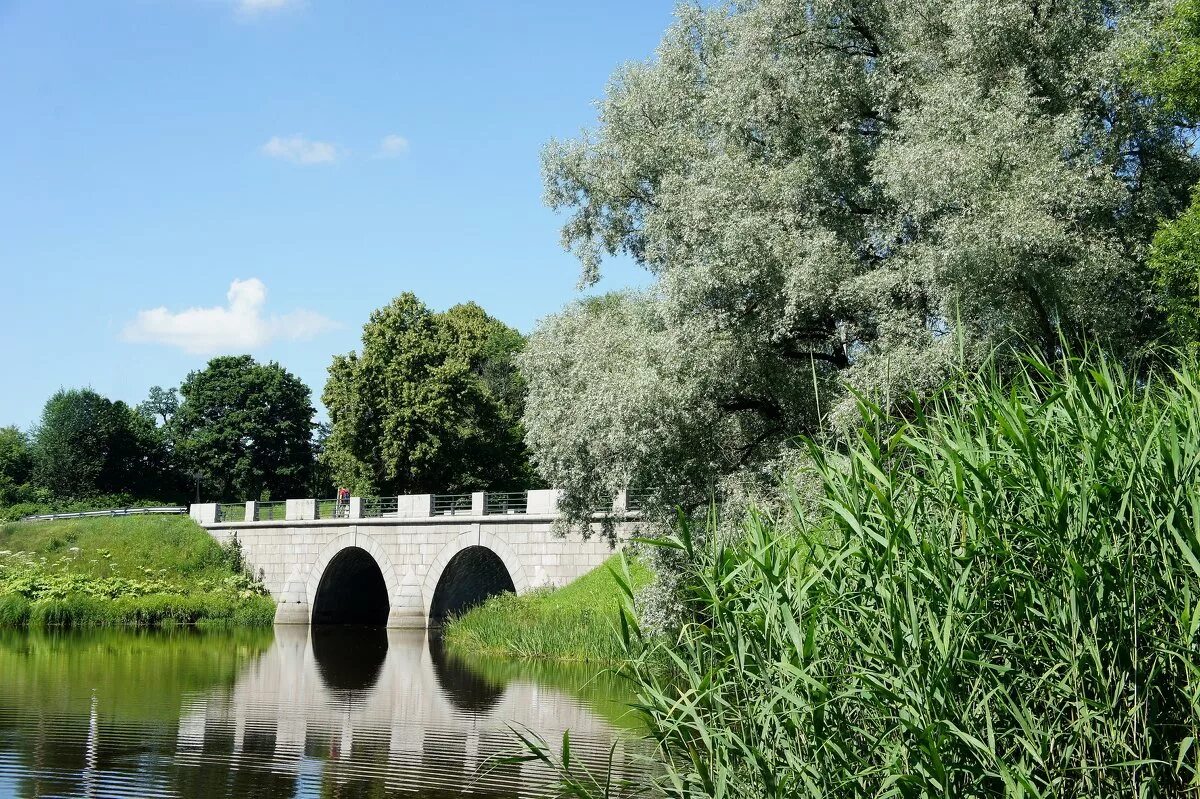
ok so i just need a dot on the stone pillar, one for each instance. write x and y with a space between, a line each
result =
292 602
415 506
621 502
204 513
251 511
542 502
355 511
478 503
300 509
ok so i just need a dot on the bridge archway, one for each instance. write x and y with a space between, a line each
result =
467 571
352 582
351 591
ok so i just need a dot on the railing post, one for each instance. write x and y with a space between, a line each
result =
296 510
621 502
414 505
355 510
542 502
478 503
251 511
204 513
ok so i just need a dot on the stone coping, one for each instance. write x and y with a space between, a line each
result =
401 521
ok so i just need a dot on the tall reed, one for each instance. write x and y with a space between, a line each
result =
1002 598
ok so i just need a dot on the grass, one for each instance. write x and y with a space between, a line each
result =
125 571
1001 598
578 622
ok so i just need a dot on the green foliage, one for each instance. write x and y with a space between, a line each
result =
247 428
1000 599
16 465
432 403
139 571
160 403
1175 260
86 445
1169 67
575 622
835 196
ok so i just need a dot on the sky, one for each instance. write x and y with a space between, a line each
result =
186 178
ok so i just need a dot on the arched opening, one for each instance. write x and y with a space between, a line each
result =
351 591
471 576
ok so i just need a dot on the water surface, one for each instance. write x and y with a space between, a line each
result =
335 712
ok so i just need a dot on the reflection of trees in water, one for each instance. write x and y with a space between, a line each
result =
463 687
349 659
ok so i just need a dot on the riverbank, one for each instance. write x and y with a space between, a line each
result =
130 571
578 622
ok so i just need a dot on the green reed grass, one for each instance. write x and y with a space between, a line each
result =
1002 599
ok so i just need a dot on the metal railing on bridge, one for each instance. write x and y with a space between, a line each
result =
451 504
503 502
380 507
232 512
270 511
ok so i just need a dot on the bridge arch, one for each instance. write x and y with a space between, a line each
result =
352 581
475 555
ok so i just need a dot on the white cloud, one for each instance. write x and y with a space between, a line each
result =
392 146
239 326
300 150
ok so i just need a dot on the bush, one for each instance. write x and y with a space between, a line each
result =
1000 600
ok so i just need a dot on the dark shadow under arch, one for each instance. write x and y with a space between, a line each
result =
349 659
351 591
462 686
472 576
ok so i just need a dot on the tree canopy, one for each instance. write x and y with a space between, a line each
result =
1170 69
247 428
87 445
843 195
16 464
431 403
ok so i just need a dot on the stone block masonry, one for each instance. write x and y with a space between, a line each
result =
413 549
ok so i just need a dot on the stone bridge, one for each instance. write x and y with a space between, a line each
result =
405 561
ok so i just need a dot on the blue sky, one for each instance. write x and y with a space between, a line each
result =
327 155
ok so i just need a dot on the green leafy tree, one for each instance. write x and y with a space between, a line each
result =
432 403
160 403
16 464
246 428
1175 258
1169 69
87 445
842 195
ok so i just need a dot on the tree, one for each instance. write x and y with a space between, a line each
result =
431 404
16 464
87 445
160 403
1170 70
843 195
247 428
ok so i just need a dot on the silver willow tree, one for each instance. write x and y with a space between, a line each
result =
836 195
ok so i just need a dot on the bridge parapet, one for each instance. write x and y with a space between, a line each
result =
423 552
541 502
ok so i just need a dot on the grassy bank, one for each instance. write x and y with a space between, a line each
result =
131 571
578 622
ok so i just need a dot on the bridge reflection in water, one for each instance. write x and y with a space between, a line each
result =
333 711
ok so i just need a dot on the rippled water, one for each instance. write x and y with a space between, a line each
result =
340 712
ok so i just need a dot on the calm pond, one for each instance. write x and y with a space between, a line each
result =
335 712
